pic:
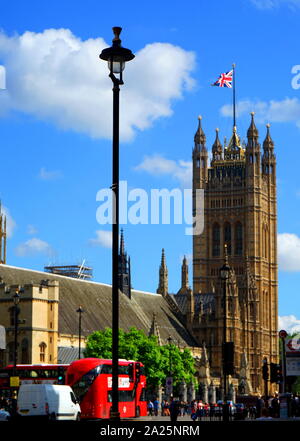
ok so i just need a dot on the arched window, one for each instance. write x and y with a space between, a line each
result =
24 351
216 240
42 352
238 239
227 236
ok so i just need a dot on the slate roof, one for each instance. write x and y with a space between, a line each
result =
208 301
95 299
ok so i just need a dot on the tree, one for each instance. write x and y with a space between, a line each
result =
135 345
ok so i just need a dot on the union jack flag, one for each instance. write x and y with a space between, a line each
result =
224 80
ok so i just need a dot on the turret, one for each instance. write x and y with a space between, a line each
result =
124 269
253 150
217 149
200 157
163 276
269 158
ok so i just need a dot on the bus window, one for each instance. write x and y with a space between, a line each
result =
143 395
83 384
124 395
107 369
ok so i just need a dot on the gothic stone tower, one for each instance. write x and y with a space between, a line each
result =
239 211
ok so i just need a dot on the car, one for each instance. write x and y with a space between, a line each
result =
52 401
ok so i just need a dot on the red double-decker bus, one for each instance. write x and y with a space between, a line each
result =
91 381
32 373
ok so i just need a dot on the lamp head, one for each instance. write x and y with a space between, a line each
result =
116 55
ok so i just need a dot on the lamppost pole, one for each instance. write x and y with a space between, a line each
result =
16 299
116 56
80 310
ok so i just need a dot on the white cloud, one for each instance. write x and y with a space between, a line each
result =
288 252
31 230
286 110
273 4
289 323
58 77
103 239
49 175
32 247
157 165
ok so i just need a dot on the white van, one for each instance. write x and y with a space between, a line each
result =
49 400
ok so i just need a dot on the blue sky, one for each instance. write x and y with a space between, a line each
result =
55 122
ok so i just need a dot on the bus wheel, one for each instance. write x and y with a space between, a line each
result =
137 412
78 417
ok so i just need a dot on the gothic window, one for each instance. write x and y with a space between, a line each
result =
238 239
227 236
42 352
216 240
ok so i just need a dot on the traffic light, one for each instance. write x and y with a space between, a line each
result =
131 372
228 358
60 375
137 371
265 371
276 373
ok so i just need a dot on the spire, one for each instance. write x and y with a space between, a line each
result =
200 138
268 142
124 273
217 148
252 131
154 330
234 150
184 277
122 244
163 276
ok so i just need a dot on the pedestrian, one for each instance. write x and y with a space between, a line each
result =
150 408
258 407
174 409
156 406
275 406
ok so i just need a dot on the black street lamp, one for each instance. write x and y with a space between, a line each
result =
116 57
224 275
80 310
16 299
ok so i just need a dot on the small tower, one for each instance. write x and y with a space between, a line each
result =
124 273
184 277
253 151
269 159
217 149
200 156
163 276
154 330
3 236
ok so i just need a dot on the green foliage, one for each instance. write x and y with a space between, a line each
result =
135 345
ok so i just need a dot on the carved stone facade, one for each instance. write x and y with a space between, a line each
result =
240 207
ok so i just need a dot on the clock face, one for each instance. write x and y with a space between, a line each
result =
243 373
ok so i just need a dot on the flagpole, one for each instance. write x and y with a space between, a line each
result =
233 91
